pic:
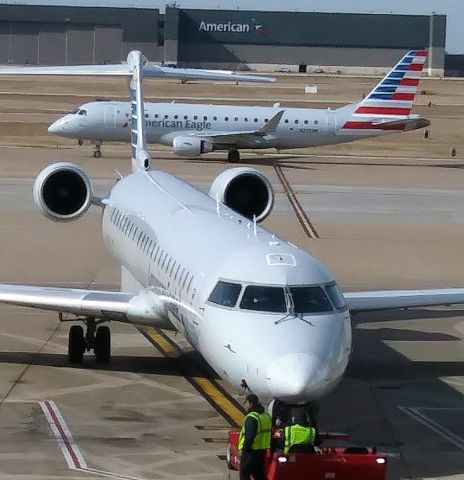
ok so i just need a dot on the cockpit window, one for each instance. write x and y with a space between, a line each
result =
225 294
310 300
335 296
82 112
264 299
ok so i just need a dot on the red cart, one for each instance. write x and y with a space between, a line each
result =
327 463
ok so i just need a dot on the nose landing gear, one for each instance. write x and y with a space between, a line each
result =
96 338
97 153
233 156
284 412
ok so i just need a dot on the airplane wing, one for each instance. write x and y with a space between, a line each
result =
390 299
232 138
144 308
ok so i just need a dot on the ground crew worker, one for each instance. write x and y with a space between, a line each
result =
254 439
300 435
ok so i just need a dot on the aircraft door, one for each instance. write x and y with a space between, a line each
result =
110 116
331 122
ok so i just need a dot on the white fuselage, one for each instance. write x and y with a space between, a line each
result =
158 228
298 127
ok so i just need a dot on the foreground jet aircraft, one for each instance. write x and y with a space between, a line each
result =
193 129
224 275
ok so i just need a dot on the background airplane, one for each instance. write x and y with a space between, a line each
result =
193 129
222 276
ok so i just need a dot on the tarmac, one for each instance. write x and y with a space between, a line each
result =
387 214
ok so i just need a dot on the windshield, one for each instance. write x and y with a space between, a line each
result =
335 296
310 300
225 294
264 299
82 112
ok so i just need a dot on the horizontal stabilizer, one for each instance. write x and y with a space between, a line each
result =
149 70
412 123
390 299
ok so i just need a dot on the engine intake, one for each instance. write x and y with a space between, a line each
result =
191 146
63 191
245 190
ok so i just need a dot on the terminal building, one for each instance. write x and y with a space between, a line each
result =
235 39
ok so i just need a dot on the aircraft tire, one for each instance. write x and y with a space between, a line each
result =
102 347
97 154
233 156
76 344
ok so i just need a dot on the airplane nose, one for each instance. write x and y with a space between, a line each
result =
54 127
296 377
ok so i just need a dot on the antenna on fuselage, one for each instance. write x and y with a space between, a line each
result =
140 157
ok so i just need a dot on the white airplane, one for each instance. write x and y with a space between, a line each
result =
261 311
193 129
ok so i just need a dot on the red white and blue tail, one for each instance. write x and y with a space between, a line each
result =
388 105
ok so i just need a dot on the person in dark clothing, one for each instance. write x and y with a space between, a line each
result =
254 440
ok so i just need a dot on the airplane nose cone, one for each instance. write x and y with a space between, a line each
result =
54 127
296 378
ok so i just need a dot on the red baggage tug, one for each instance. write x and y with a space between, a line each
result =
327 463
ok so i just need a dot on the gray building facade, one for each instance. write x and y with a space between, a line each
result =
46 35
236 39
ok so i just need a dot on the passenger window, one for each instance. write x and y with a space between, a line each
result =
286 120
236 119
195 117
296 122
225 294
310 300
176 117
264 299
185 117
306 122
335 296
255 120
205 118
266 120
246 119
156 115
226 119
166 116
214 118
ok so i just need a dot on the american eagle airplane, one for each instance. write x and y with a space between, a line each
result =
260 310
192 129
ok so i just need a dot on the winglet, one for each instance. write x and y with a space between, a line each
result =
272 124
139 153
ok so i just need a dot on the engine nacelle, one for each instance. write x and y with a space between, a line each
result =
191 146
63 191
245 190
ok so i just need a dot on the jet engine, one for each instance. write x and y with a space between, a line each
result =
191 146
245 190
63 191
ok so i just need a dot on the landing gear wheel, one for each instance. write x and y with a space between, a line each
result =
76 344
233 156
102 345
97 153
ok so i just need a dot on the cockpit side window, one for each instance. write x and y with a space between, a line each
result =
310 300
335 296
82 112
264 299
225 294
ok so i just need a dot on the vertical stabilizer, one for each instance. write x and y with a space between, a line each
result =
388 105
139 153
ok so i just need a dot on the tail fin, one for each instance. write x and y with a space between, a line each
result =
139 153
391 100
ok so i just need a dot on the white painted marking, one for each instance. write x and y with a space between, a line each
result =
69 447
416 414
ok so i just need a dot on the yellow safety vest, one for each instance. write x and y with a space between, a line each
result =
298 435
262 438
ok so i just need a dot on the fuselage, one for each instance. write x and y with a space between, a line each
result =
240 297
298 128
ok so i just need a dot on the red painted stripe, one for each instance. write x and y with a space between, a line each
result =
409 82
421 53
403 96
352 125
416 67
384 110
63 435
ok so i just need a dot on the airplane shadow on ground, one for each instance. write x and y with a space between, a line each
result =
380 379
190 363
